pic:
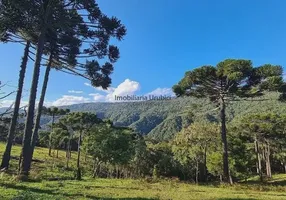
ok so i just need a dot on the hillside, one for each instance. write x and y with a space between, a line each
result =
162 119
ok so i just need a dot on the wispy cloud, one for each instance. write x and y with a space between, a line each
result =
69 100
10 103
87 84
75 91
162 92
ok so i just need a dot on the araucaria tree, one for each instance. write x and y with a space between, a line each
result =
16 27
81 123
53 112
231 79
59 28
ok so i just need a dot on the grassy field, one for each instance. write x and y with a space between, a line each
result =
46 168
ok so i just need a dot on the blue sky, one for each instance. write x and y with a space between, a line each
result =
165 38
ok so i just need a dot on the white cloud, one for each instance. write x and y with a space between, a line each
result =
127 87
8 103
108 90
162 92
97 97
69 100
75 91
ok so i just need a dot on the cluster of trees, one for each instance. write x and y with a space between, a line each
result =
87 134
256 146
56 34
225 82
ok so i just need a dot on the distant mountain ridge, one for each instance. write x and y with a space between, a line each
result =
161 120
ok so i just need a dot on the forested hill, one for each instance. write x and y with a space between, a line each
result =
163 119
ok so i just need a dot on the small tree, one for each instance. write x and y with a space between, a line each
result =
231 78
81 122
193 144
54 112
108 144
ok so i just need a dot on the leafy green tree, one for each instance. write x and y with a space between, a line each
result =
241 155
231 78
59 137
4 122
108 144
266 131
192 145
43 138
160 159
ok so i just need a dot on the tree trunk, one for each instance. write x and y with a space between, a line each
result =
57 153
66 148
68 155
117 172
40 105
259 166
205 179
67 163
78 175
197 171
268 164
39 110
226 175
50 136
26 149
94 169
13 124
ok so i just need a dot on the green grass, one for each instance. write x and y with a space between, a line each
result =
47 167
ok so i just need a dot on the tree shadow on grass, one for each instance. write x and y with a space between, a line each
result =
25 188
269 183
107 198
55 192
108 187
